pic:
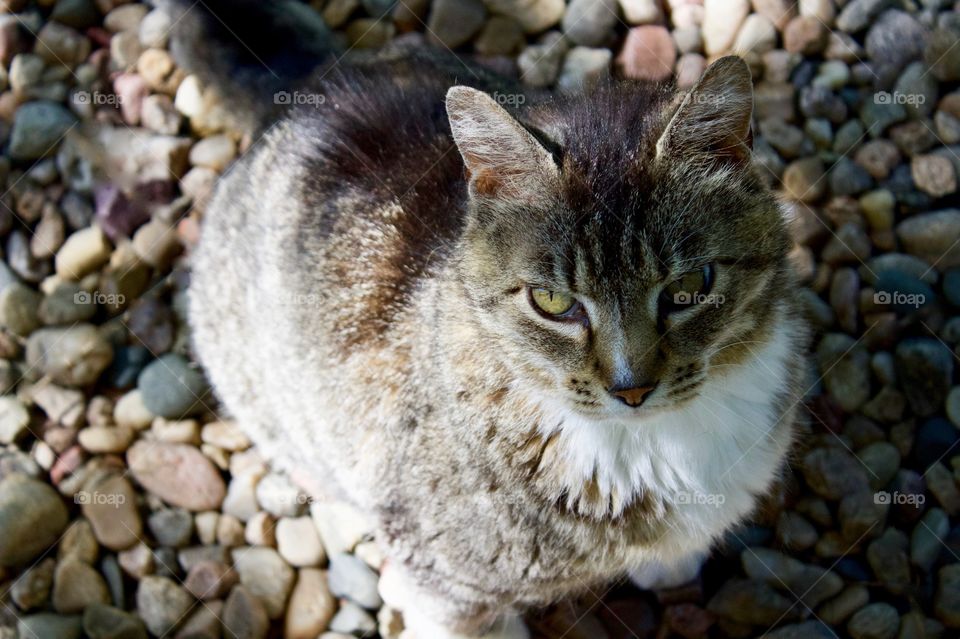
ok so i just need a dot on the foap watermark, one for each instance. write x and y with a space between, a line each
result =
287 299
82 298
292 98
896 298
886 97
509 99
98 98
707 97
95 498
696 498
686 298
897 498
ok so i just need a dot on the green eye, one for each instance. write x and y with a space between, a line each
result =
552 303
689 290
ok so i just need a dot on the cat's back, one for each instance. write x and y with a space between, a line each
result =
318 238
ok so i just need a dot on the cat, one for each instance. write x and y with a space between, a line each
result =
540 341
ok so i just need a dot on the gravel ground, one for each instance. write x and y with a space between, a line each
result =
127 509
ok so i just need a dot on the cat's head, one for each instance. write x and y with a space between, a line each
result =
620 249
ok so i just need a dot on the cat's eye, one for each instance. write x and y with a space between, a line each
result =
554 304
689 290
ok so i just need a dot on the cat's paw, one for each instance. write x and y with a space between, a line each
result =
399 595
655 575
507 626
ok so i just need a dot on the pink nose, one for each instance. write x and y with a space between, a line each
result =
632 396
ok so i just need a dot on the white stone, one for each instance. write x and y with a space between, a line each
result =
299 542
640 11
721 22
341 526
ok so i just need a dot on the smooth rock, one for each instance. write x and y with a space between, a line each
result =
266 575
32 518
178 473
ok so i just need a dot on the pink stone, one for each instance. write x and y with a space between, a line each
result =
648 53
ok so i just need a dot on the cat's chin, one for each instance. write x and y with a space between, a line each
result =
615 414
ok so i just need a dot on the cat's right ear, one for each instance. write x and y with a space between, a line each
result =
503 159
713 120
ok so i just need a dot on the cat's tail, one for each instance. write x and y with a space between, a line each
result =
254 52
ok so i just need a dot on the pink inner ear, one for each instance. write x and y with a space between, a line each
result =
486 183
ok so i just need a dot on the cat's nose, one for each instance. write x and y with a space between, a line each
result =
632 396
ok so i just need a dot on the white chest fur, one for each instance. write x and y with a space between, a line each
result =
709 458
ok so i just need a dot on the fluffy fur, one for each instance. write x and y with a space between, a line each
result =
360 302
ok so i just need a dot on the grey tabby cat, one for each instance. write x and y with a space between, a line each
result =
539 347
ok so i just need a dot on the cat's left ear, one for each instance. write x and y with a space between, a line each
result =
713 119
503 159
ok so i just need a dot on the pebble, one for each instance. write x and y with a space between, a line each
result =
858 14
590 22
32 518
641 11
32 588
215 152
540 63
941 54
841 607
341 526
260 530
584 68
934 175
171 387
177 473
79 542
500 36
352 620
930 236
805 35
833 473
874 621
892 41
878 157
171 527
245 615
812 583
889 561
925 369
722 20
751 602
351 578
83 252
934 438
47 625
111 508
73 356
953 406
311 605
534 16
757 35
14 419
882 461
241 498
137 561
38 127
845 368
130 412
161 603
106 622
926 541
947 599
77 585
105 439
803 179
267 576
208 580
299 542
203 623
943 486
